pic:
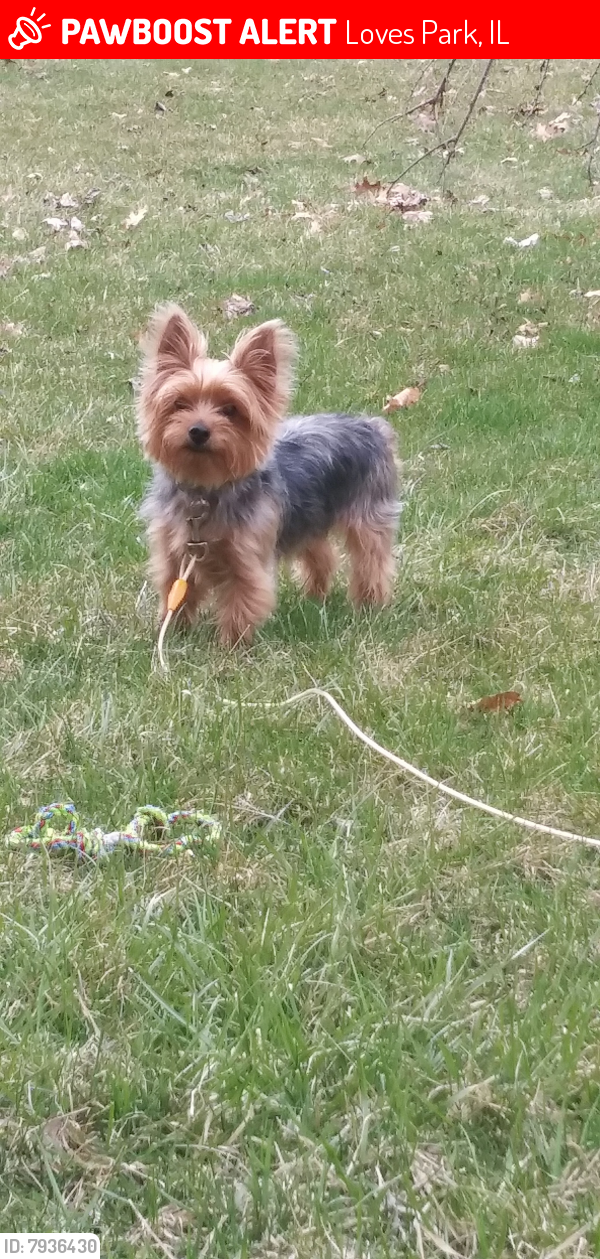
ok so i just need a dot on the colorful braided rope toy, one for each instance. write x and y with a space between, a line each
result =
57 829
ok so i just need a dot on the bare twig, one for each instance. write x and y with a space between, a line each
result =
588 85
450 144
434 103
591 148
527 111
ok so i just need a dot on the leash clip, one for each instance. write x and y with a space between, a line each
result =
196 546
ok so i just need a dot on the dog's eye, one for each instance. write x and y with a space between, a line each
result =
181 404
230 411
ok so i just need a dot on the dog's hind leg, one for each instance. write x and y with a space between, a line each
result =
372 567
318 563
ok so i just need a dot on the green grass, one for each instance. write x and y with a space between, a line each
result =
368 1025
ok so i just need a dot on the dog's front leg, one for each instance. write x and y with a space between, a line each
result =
245 590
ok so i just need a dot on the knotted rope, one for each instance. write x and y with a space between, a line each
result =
57 828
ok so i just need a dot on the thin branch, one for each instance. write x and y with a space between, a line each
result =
436 148
528 111
588 85
433 102
437 101
590 148
450 144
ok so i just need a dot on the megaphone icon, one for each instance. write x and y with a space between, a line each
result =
27 31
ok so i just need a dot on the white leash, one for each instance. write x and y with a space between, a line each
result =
316 692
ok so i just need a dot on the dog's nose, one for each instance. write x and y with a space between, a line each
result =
199 435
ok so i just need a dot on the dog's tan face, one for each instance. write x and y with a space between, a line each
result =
210 421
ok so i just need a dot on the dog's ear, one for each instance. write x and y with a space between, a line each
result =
267 357
172 339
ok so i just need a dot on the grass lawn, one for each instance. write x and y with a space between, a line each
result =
368 1025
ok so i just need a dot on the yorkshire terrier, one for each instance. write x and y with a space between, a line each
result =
241 486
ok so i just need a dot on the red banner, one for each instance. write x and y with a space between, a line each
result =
76 29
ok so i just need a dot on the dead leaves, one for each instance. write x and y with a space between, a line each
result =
550 130
235 307
366 187
405 398
135 217
56 224
527 335
399 197
502 702
405 199
75 225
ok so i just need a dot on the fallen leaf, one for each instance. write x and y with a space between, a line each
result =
76 224
235 306
10 329
546 194
404 198
364 187
136 216
592 293
232 217
19 234
56 224
500 703
6 266
37 255
406 398
355 159
549 130
526 243
522 342
482 200
75 241
323 143
91 196
513 160
418 216
67 202
526 296
160 109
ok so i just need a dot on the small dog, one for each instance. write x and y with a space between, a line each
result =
240 486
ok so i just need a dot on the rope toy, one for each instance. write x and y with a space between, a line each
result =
57 828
